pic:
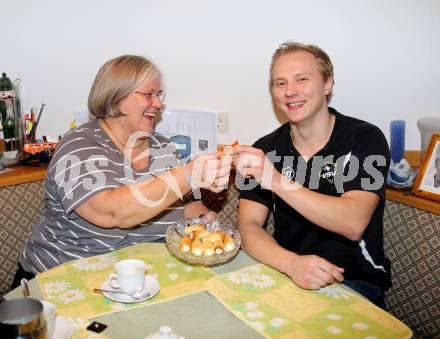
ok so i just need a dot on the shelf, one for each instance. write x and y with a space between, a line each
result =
22 174
405 197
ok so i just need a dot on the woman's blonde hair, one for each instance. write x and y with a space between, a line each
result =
116 79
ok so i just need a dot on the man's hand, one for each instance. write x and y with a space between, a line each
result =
313 272
252 162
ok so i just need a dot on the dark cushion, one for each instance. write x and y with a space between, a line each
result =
20 207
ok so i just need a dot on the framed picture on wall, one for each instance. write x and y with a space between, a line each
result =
427 183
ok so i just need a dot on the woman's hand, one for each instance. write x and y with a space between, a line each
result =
208 217
196 209
211 171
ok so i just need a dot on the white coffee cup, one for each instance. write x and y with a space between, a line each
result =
49 311
129 276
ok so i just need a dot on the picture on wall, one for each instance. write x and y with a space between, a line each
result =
192 132
428 181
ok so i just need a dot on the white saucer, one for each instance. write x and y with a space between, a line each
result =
63 329
151 286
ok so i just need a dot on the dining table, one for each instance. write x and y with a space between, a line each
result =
238 299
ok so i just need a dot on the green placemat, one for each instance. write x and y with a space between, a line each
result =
70 286
273 305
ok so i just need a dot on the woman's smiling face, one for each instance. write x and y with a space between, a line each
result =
141 106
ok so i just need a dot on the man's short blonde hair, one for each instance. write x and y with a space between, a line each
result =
326 66
116 79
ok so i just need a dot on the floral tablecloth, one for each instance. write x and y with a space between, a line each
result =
70 286
258 295
275 307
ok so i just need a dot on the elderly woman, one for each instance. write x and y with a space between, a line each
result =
113 182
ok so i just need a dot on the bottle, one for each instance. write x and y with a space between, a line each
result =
5 83
2 138
9 130
33 118
6 92
5 87
28 125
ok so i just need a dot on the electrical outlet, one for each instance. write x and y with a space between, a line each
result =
222 122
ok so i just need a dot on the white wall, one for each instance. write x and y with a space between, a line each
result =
215 54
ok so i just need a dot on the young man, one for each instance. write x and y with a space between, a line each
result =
323 174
